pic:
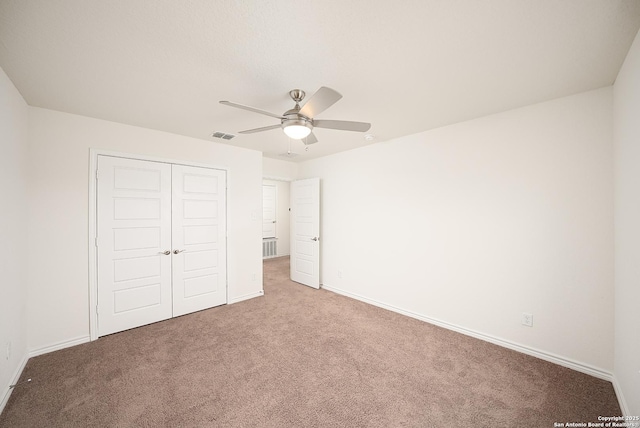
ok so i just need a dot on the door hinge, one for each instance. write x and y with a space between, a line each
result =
96 241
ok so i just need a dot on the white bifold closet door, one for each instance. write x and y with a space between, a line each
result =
161 241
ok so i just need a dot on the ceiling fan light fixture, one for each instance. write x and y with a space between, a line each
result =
297 129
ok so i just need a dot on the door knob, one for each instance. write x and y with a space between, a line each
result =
315 238
177 251
166 253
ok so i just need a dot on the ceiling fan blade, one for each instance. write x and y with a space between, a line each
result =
253 109
264 128
309 139
320 101
343 125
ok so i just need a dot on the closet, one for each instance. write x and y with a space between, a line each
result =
161 244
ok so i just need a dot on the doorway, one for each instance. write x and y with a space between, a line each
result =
297 233
275 218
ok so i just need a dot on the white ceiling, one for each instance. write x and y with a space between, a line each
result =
405 66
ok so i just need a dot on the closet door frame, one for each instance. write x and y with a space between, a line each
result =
93 224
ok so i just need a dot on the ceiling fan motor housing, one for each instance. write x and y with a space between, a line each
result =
292 117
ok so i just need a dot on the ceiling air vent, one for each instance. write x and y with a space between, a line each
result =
222 135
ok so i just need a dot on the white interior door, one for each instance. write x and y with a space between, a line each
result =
199 239
305 232
134 243
269 203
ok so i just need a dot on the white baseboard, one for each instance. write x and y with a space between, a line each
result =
621 400
246 297
14 380
547 356
61 345
35 353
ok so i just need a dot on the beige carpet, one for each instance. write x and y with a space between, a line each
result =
299 357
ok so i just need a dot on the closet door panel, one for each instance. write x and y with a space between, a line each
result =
199 241
134 232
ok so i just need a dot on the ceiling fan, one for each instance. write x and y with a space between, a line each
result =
298 123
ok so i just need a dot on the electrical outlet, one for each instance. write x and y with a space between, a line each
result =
527 319
339 273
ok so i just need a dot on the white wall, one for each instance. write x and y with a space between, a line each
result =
13 233
475 223
279 169
58 302
627 228
283 223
